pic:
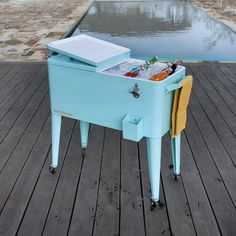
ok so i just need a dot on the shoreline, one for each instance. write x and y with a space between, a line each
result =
219 12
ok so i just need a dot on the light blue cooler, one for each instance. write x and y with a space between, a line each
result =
83 86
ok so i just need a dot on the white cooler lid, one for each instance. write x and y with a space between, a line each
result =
88 49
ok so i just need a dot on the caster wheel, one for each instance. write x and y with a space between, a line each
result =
176 177
155 204
83 151
52 169
171 166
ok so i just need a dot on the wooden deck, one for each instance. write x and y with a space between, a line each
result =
107 191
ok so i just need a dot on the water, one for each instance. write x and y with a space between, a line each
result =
168 29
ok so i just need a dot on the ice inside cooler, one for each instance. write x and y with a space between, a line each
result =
126 66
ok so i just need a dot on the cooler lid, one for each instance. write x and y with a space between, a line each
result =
89 49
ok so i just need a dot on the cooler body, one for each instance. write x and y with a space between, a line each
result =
82 92
87 83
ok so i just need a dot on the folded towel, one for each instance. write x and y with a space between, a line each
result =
180 104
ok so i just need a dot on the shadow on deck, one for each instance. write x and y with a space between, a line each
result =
107 191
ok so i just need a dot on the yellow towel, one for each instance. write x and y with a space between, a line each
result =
180 104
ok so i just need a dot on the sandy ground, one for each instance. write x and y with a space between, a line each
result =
223 10
26 26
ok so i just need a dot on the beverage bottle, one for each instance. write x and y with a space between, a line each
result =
152 61
175 64
136 70
162 75
166 72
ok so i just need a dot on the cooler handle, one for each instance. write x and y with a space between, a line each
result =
172 87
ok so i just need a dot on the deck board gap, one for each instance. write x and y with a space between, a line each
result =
99 181
142 190
76 192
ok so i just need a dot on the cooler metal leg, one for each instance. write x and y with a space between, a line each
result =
154 165
56 130
84 129
175 149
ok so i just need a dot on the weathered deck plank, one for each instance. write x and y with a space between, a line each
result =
4 69
131 197
107 192
215 188
18 158
221 155
224 132
176 199
199 204
225 76
45 188
58 219
17 120
206 89
107 212
27 83
14 73
25 183
82 222
229 71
